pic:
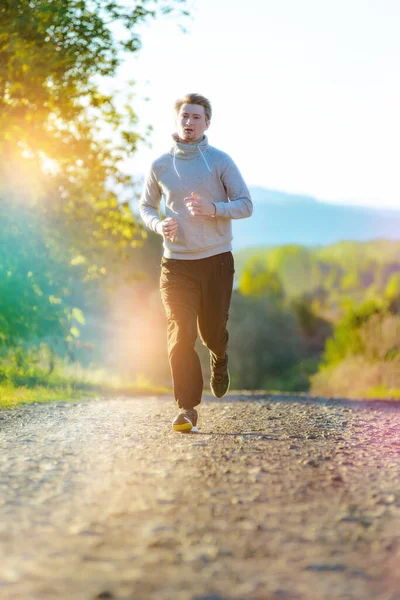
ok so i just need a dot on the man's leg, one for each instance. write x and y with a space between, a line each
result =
217 284
180 293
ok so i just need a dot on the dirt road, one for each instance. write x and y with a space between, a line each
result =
277 497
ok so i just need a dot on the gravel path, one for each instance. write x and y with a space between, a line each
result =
277 497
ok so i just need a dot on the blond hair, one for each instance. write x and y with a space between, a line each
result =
195 99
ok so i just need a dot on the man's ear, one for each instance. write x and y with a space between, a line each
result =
208 123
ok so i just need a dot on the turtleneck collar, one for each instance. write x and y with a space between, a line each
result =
187 151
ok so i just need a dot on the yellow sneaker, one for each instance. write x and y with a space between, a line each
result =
186 420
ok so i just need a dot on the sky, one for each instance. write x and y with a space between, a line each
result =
305 93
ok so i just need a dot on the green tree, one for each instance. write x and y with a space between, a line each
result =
346 339
265 343
258 281
67 240
392 292
296 268
54 57
39 291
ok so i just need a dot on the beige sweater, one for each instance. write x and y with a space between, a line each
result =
211 174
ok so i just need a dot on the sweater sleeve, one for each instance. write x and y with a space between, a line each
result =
240 205
149 204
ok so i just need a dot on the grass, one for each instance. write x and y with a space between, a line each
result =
11 396
69 384
382 391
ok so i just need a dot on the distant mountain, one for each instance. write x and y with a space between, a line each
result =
281 218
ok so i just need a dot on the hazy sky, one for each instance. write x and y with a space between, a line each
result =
305 93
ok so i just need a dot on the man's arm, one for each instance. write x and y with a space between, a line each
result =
149 208
240 205
149 204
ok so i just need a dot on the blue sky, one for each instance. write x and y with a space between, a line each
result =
305 93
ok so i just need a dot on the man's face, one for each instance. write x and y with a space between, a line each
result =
192 123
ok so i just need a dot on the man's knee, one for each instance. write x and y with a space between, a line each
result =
216 342
181 335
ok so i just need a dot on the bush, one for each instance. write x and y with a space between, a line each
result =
363 357
358 377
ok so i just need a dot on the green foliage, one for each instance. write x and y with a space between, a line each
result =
346 337
353 286
258 281
53 54
393 287
284 271
295 267
54 152
314 328
36 374
392 292
67 241
53 113
363 354
331 277
33 284
265 345
28 366
358 377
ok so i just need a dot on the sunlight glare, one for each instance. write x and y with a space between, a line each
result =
49 166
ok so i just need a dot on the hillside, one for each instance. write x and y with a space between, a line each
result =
281 218
352 270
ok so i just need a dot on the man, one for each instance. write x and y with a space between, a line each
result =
203 191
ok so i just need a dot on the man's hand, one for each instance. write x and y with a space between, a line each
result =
168 228
199 207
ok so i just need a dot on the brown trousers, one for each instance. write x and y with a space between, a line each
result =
196 295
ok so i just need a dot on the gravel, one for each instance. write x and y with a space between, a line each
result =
277 497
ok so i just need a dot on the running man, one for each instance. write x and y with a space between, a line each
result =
203 191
